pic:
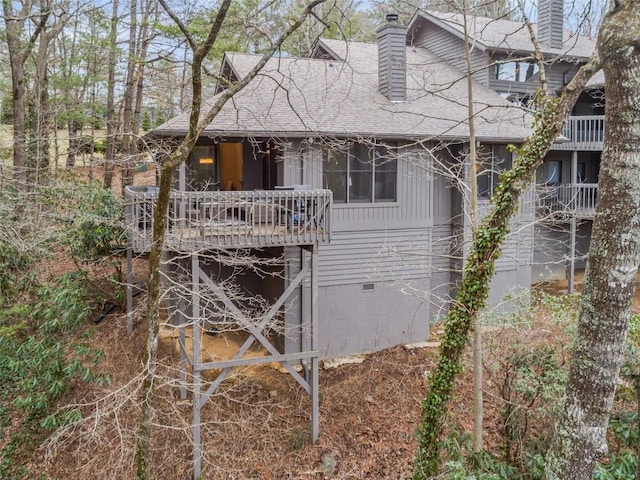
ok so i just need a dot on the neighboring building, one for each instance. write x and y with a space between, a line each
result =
503 60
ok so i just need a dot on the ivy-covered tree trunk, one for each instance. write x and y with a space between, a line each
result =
480 266
614 256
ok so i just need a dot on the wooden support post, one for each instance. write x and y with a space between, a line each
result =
129 290
572 254
195 296
315 404
572 228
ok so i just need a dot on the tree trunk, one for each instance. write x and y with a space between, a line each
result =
478 400
145 40
614 255
111 109
479 269
197 124
19 51
128 143
19 118
43 130
74 142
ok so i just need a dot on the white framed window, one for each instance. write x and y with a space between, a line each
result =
360 173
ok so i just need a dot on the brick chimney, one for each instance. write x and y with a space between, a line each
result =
551 23
392 60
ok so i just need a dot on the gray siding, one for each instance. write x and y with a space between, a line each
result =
550 22
357 321
375 255
392 59
413 208
382 239
374 275
550 252
450 48
290 170
513 268
559 74
391 268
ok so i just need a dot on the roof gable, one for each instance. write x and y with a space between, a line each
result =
501 35
227 73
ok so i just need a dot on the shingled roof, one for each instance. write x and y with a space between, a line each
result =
506 35
302 97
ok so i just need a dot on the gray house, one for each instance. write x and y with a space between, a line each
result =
334 188
383 128
503 60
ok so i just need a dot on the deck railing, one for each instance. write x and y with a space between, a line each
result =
573 199
583 133
201 220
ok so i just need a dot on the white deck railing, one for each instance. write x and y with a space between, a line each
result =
583 133
575 199
201 220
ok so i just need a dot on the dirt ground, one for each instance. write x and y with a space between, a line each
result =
560 287
257 426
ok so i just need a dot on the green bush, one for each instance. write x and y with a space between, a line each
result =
38 366
13 264
464 465
92 218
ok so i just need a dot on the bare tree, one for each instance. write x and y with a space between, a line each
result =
111 86
21 42
197 123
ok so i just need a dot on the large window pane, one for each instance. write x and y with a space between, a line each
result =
484 170
360 174
554 171
201 169
516 71
385 176
335 174
492 160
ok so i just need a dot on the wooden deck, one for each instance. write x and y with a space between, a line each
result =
206 220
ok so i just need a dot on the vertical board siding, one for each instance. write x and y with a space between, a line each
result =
550 22
517 249
392 54
550 252
311 155
450 48
378 255
292 164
